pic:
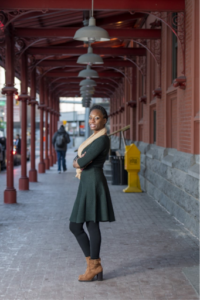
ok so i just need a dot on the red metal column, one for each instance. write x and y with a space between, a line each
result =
10 194
51 132
56 121
41 165
24 180
54 127
46 160
33 103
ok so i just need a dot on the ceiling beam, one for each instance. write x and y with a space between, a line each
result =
77 91
73 95
75 74
77 87
68 63
140 5
120 17
125 33
127 16
79 51
98 80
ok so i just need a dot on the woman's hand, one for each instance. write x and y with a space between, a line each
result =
83 154
75 163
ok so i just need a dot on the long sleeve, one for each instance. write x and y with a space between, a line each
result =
95 149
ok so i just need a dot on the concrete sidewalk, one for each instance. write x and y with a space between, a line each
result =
143 253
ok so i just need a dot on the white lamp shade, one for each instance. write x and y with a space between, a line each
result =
87 82
86 99
86 93
91 33
88 73
86 88
90 58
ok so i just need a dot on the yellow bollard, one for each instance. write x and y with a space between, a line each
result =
132 165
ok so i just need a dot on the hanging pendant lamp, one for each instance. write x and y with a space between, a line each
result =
86 104
86 93
86 88
91 32
87 82
88 73
86 99
90 58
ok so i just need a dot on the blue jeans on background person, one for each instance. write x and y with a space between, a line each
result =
61 156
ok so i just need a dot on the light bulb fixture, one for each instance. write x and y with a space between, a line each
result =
91 32
90 58
88 73
87 82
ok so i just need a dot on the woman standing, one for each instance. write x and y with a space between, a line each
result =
93 203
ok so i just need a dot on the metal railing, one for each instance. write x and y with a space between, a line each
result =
121 131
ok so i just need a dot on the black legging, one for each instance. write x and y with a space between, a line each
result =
89 247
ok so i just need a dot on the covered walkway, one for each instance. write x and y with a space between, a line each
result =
144 253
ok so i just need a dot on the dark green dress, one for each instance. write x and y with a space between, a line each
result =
93 201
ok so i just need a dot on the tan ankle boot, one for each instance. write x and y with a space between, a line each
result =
87 269
94 269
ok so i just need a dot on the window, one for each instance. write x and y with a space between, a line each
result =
174 48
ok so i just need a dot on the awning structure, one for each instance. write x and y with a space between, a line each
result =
44 31
37 46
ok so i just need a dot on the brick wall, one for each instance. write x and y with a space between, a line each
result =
181 115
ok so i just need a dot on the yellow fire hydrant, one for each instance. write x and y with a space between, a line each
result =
132 165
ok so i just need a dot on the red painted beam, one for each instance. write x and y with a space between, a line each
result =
118 18
75 74
78 51
70 32
140 5
70 87
98 95
98 80
64 63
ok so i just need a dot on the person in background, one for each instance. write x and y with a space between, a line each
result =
60 140
3 152
18 144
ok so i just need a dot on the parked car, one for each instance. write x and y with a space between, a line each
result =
3 152
17 157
